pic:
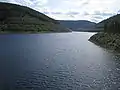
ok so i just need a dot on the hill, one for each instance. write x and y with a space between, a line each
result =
16 18
110 19
110 37
80 25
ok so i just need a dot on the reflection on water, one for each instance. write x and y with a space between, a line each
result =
60 61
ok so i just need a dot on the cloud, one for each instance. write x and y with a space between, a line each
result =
56 13
93 10
103 13
72 13
3 0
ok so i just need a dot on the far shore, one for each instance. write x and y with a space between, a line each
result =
41 32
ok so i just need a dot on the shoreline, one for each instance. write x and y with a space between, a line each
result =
108 41
42 32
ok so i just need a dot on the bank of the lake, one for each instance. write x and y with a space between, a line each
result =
107 40
31 32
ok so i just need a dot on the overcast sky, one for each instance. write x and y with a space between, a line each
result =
92 10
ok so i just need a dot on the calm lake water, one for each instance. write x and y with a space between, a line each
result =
59 61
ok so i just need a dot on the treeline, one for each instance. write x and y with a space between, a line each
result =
112 26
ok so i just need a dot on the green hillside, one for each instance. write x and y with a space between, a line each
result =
16 18
110 37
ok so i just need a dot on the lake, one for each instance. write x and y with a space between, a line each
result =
56 61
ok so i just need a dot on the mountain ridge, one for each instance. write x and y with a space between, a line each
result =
17 18
112 18
79 25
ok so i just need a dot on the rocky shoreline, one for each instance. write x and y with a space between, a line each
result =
107 40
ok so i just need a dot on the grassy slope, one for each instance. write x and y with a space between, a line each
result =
16 18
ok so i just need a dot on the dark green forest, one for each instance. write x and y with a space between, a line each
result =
16 18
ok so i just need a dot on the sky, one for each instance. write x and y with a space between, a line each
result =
92 10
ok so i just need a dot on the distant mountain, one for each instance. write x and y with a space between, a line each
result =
16 18
80 25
